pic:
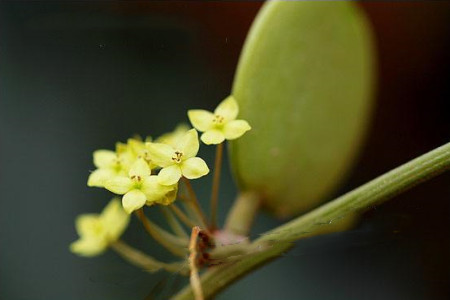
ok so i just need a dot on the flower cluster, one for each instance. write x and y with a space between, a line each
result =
147 172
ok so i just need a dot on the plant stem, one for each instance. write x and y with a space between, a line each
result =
194 202
241 216
279 240
215 186
175 245
182 216
141 260
173 222
194 278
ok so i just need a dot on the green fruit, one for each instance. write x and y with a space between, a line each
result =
304 83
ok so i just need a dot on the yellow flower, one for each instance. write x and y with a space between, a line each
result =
109 164
178 161
221 124
173 138
136 149
98 231
140 188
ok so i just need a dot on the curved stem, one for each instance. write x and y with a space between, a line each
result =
279 240
148 263
194 203
194 279
175 245
182 216
240 217
215 186
173 222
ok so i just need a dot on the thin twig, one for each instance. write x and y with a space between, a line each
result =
182 216
166 239
195 279
173 222
194 202
215 186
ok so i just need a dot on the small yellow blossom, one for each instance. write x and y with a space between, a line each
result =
174 137
140 188
135 148
180 160
221 124
109 164
98 231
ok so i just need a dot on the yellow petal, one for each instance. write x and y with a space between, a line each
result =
212 137
234 129
104 158
194 167
160 154
154 191
139 168
88 246
168 197
114 219
228 109
201 119
119 185
87 224
189 144
133 200
99 177
169 175
173 138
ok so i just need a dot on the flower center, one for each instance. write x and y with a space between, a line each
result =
177 156
136 178
218 119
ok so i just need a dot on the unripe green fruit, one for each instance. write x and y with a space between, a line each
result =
304 83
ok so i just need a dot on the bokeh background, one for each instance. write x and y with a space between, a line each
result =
79 76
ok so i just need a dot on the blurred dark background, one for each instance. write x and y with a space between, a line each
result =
79 76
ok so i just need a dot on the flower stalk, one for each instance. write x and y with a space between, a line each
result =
148 263
172 243
215 186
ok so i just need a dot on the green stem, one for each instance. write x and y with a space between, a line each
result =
241 216
182 216
272 244
148 263
215 186
195 205
174 223
175 245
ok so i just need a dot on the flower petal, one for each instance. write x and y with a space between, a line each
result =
168 197
228 109
201 119
88 246
234 129
169 175
104 158
100 176
119 185
114 219
85 224
213 136
160 154
139 168
194 167
173 138
154 191
189 144
133 200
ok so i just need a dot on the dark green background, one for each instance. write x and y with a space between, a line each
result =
75 77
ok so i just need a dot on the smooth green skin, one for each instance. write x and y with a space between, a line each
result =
304 83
